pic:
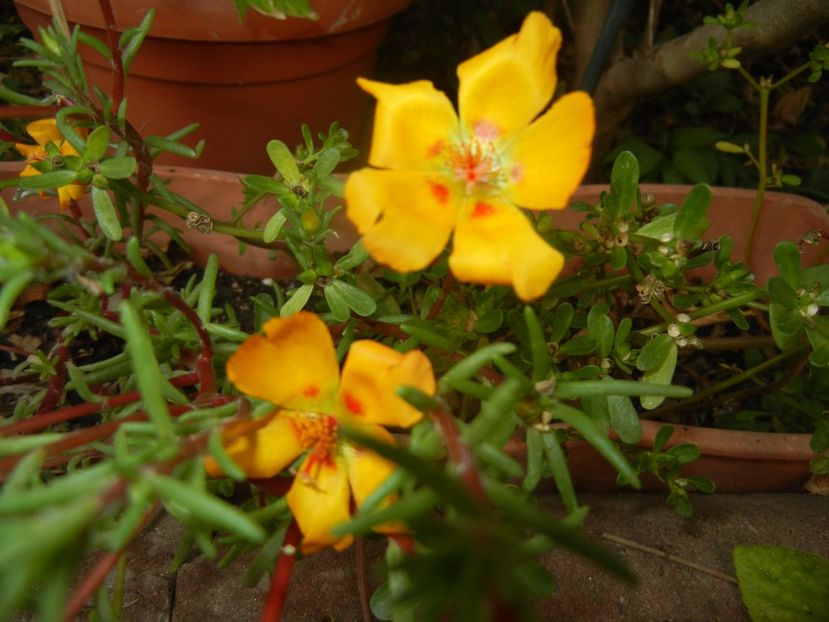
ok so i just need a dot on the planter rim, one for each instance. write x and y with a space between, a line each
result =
217 20
735 443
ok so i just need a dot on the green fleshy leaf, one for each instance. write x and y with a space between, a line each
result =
779 584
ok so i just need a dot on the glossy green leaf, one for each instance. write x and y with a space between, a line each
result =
561 322
106 215
779 584
326 163
691 221
97 144
659 227
357 300
624 419
782 293
662 437
118 168
624 184
786 326
601 328
47 181
702 484
273 227
297 301
663 373
787 259
284 161
654 352
685 453
336 303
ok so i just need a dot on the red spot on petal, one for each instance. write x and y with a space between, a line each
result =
352 404
436 149
482 209
440 192
311 390
516 174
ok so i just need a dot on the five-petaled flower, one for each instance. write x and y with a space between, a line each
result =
294 365
46 131
438 173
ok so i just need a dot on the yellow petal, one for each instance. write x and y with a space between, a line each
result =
293 365
44 131
319 500
262 448
30 152
550 157
367 470
371 376
69 192
496 244
505 87
405 217
413 124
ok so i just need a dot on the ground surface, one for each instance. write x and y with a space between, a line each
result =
324 587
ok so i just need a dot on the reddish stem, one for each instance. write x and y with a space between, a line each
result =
91 582
75 210
81 410
27 112
459 453
115 52
204 363
27 378
404 541
448 282
15 350
278 593
362 587
57 382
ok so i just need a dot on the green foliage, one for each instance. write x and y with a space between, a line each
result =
780 584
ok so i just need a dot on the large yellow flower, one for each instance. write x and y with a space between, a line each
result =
46 131
437 173
294 366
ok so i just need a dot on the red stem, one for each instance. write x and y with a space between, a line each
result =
115 51
448 282
81 410
15 350
362 587
278 593
459 454
204 363
57 382
28 112
91 582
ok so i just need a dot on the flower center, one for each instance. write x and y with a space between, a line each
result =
319 434
475 163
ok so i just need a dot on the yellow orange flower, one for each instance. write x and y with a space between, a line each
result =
46 131
438 172
294 366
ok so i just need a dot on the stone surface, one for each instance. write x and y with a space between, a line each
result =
668 591
324 585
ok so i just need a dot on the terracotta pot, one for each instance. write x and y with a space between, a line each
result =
219 193
784 217
737 461
245 83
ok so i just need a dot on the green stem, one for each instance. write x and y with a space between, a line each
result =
761 171
793 73
728 303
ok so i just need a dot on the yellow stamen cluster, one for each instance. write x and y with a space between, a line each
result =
317 433
476 164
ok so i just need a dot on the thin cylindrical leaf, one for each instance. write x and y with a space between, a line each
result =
208 508
561 472
207 288
472 363
538 345
535 460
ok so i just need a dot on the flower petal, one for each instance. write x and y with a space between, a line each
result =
505 87
496 244
262 448
366 469
405 217
550 157
44 131
413 123
30 152
69 192
371 376
293 365
319 500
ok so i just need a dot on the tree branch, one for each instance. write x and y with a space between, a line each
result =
778 23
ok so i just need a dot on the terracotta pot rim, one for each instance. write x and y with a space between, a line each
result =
734 443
